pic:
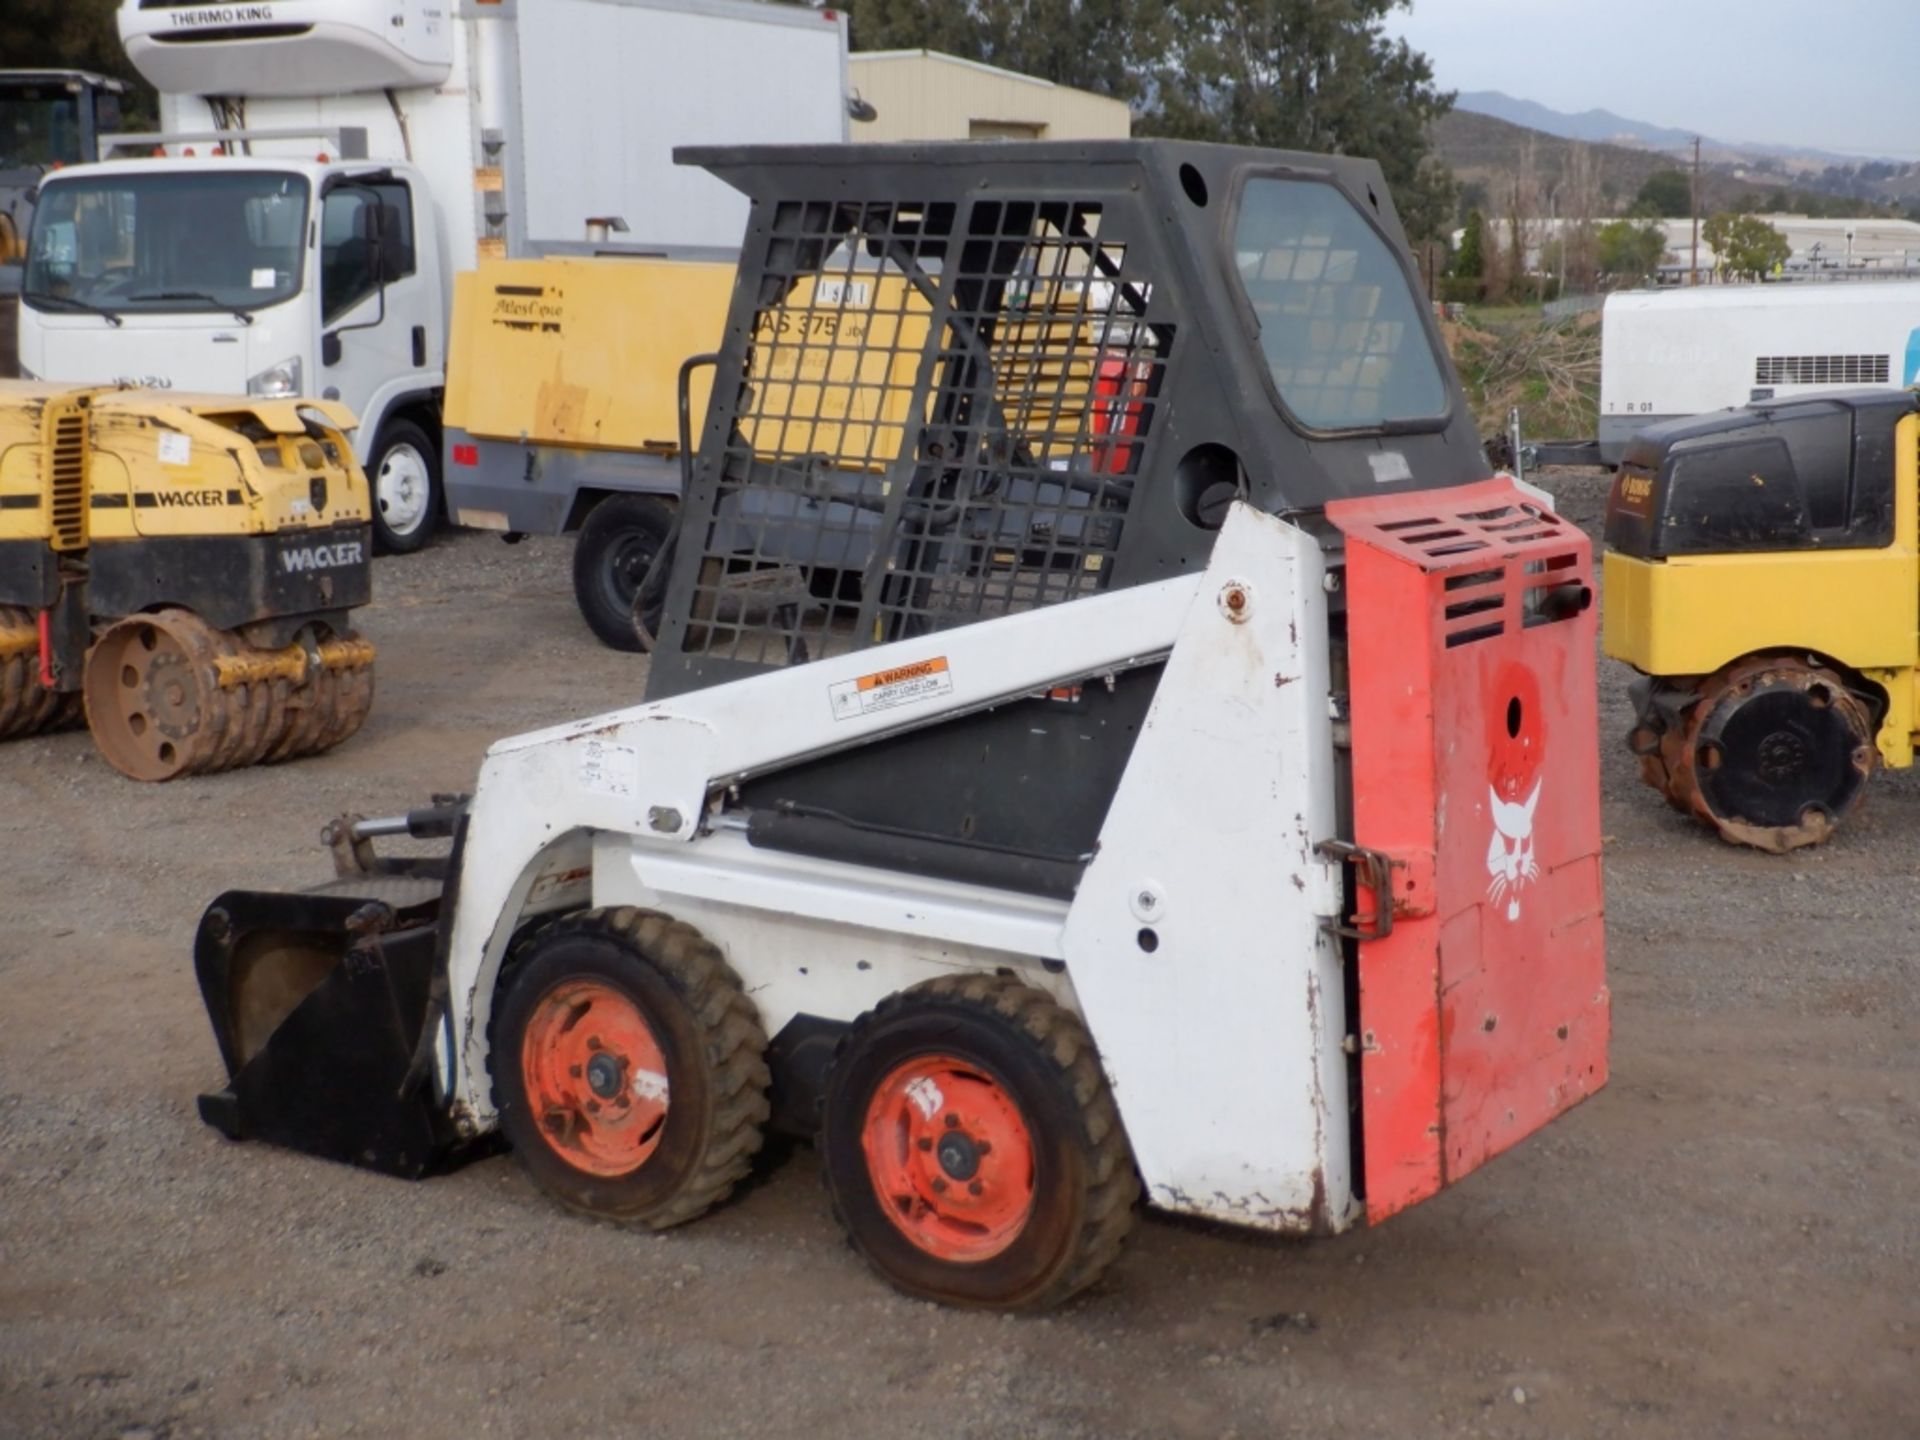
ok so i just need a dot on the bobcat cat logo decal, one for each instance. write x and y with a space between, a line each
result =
1516 745
1510 862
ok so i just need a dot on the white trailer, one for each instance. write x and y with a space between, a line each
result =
328 165
1671 353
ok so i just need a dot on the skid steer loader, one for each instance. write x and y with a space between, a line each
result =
1187 783
185 568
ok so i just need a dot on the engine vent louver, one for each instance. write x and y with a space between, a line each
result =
1822 369
65 441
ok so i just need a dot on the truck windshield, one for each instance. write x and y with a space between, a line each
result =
1339 323
168 241
39 126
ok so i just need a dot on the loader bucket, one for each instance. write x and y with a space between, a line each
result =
318 1001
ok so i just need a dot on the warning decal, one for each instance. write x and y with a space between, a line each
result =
608 769
885 689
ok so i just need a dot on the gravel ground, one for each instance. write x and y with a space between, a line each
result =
1724 1242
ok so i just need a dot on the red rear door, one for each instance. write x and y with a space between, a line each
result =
1484 1013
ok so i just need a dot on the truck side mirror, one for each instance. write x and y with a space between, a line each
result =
330 348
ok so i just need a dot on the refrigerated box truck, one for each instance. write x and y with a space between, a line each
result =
325 167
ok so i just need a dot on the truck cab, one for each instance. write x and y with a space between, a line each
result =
231 273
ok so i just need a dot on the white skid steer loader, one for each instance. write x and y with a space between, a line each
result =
1110 734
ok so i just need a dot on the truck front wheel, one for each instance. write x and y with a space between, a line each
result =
404 478
616 547
628 1065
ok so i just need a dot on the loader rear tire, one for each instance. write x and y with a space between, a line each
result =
629 1067
972 1147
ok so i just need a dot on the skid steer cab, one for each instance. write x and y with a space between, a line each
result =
1763 575
1107 737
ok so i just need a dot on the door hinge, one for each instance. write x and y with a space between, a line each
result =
1401 886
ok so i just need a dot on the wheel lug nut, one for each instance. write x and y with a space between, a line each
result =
574 1071
953 1121
924 1143
593 1107
939 1187
593 1042
623 1102
975 1188
985 1147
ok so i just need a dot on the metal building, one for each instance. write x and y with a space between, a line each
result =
925 95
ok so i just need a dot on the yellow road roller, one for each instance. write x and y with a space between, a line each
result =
1763 575
182 571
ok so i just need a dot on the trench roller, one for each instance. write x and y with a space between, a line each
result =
1763 576
179 573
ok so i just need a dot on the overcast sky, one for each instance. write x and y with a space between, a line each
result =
1836 76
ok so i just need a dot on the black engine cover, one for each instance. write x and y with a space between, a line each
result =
1807 474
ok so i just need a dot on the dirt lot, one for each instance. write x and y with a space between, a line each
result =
1724 1242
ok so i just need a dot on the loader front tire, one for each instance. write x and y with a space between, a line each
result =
629 1067
972 1147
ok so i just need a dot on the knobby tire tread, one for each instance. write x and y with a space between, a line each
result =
1062 1037
736 1046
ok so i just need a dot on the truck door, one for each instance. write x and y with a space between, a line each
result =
375 305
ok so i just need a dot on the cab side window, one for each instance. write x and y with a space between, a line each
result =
366 239
1821 444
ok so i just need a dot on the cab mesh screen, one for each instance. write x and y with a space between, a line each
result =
939 418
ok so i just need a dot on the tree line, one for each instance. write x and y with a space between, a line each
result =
1319 75
1524 240
71 35
1316 75
1313 75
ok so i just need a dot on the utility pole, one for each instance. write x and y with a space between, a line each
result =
1694 279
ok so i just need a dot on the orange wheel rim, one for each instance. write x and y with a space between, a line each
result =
595 1077
950 1158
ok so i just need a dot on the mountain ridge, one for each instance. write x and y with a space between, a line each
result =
1607 127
